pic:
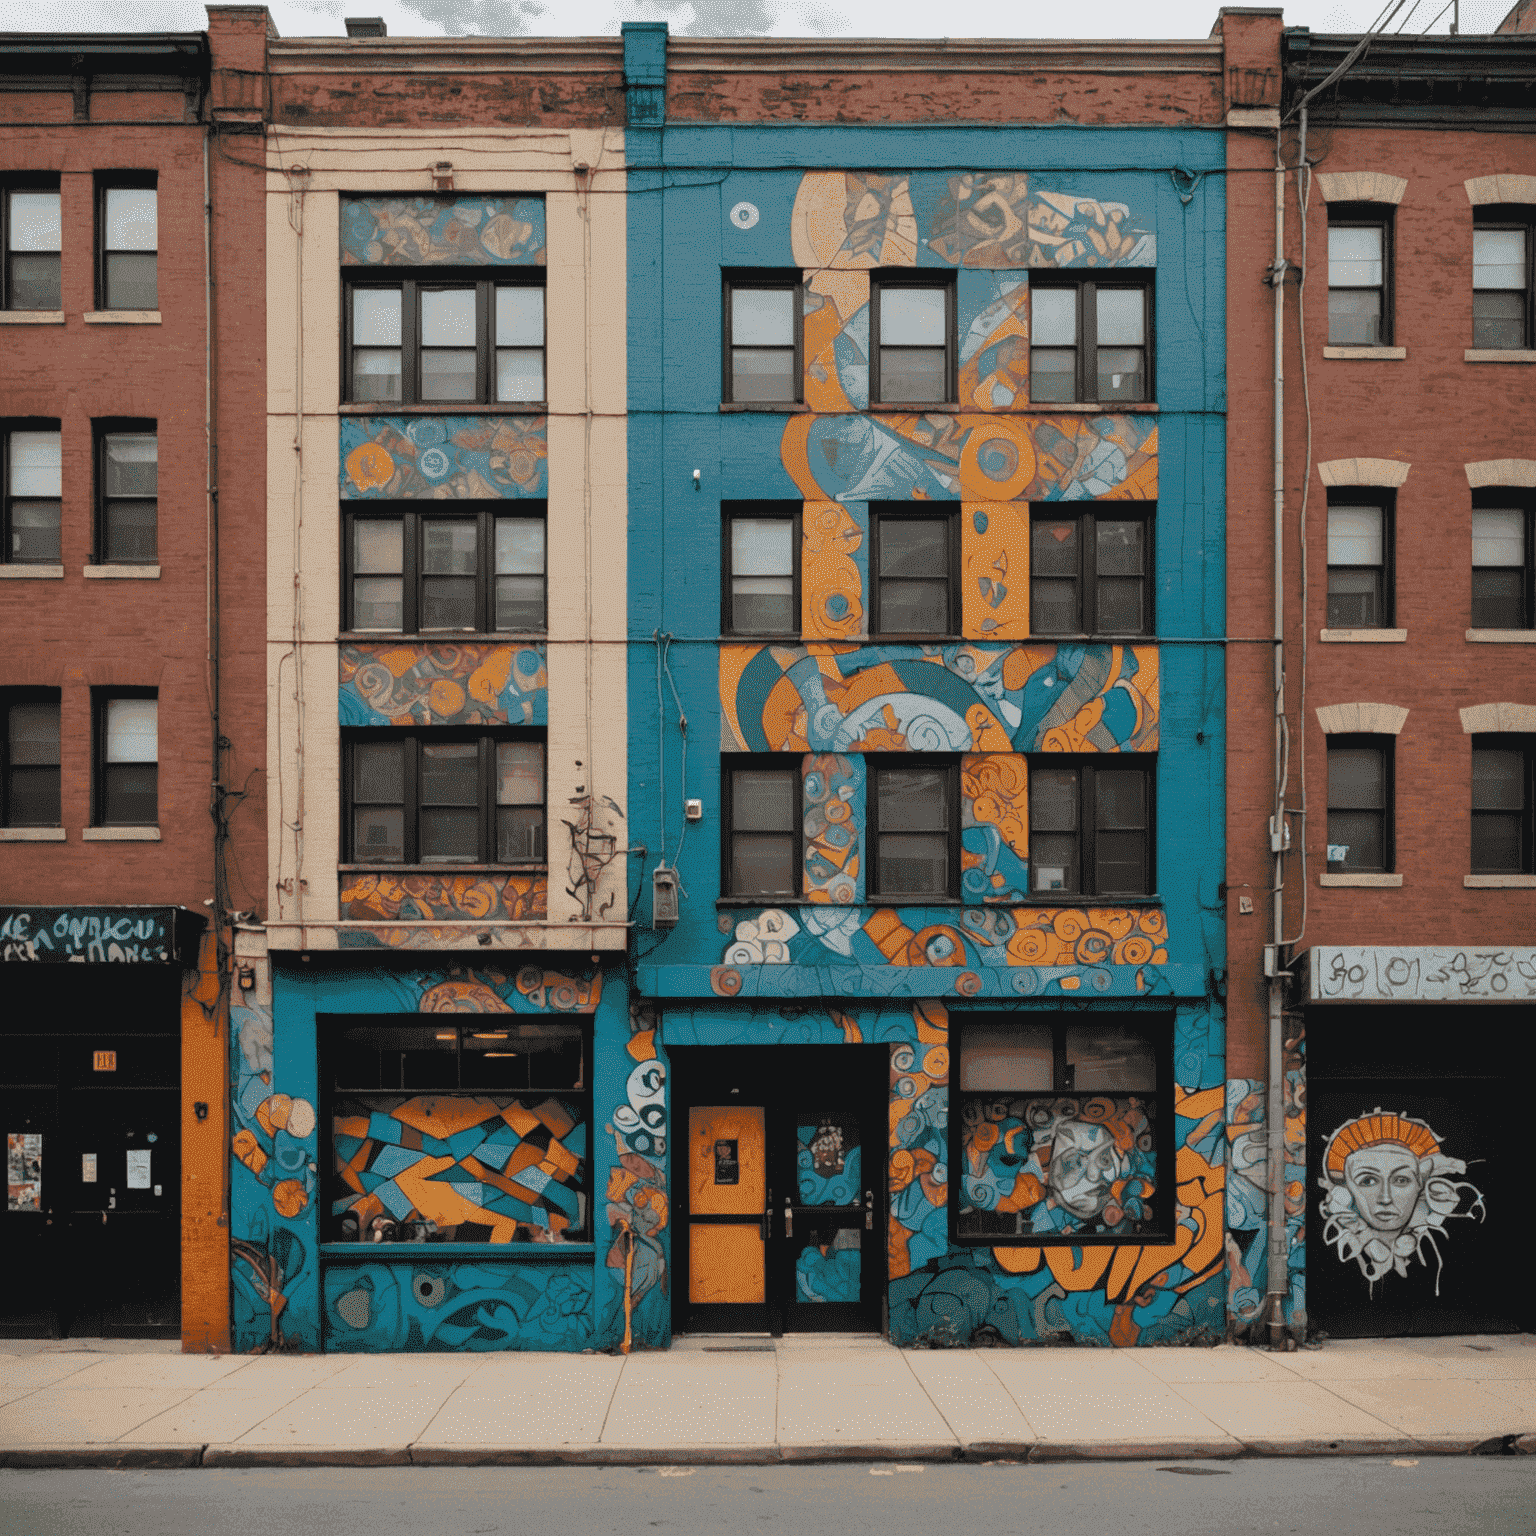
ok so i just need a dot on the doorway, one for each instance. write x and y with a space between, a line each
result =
781 1188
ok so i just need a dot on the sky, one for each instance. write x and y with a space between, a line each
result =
749 18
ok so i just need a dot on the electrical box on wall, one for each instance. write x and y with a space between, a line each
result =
664 898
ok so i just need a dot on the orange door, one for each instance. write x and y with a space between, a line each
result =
727 1195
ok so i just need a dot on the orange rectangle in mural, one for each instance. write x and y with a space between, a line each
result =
104 1061
725 1264
727 1171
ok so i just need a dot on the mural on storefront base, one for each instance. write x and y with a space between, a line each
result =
392 898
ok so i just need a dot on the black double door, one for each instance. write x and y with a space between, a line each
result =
780 1188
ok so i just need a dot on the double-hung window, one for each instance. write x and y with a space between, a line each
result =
128 225
761 569
1502 258
1090 339
914 564
127 757
445 797
29 773
30 239
1061 1129
128 480
1360 804
1359 560
764 822
912 322
1090 572
762 333
1503 805
1503 571
914 817
31 461
430 572
1359 275
1090 826
442 338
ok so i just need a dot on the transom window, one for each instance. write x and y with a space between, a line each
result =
32 474
437 340
1090 573
762 569
29 757
445 797
129 484
762 333
1359 548
913 326
128 222
30 236
1090 827
914 815
1503 795
429 572
914 564
127 758
1089 340
1360 804
1359 271
1503 587
763 818
1502 280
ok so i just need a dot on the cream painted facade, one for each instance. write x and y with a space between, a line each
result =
308 171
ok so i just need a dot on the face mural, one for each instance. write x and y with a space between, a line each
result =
1388 1193
1085 1163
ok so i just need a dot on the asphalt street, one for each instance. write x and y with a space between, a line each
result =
1366 1497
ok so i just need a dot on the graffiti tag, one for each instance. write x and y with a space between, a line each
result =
91 937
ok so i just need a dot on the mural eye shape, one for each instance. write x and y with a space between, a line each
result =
429 1290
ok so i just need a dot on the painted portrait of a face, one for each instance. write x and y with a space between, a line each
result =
1384 1183
1085 1163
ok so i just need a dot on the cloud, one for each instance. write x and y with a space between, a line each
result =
478 18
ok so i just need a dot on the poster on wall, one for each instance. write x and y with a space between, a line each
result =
24 1171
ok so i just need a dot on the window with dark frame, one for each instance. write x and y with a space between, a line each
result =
1503 568
30 240
519 1093
914 566
762 335
1090 571
127 220
445 337
1360 539
128 487
465 571
1359 275
31 475
1090 826
1360 837
1090 339
1502 279
29 757
913 806
912 330
764 853
1061 1129
127 757
444 798
761 544
1503 805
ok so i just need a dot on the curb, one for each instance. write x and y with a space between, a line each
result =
1138 1450
295 1456
104 1456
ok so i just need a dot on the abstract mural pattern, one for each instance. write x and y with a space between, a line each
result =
834 571
390 458
836 331
994 827
833 797
939 698
994 568
426 231
459 1169
389 898
964 455
637 1208
394 684
994 342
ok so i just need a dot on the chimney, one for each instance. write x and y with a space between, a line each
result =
366 26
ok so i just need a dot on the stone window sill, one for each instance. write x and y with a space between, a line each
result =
33 835
1499 355
121 835
31 572
121 572
122 317
1500 882
1502 636
1367 354
1379 882
767 407
1362 636
31 317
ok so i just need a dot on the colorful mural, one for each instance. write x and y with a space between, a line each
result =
461 231
939 698
994 827
994 342
833 798
637 1209
412 1306
366 897
394 684
994 568
459 1169
993 219
949 456
390 458
1388 1192
836 321
834 571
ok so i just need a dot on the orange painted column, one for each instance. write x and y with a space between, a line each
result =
204 1160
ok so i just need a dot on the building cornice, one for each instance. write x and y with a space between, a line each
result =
941 55
445 55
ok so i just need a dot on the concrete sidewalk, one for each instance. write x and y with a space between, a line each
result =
743 1399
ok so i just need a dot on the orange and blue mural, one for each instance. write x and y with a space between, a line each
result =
388 897
390 683
461 231
994 827
390 458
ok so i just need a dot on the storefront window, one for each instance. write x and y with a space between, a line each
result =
459 1133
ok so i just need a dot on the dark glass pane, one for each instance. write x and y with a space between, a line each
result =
1053 548
1018 1057
131 280
1498 320
1122 373
1362 836
1354 317
378 603
33 735
914 546
448 602
1110 1058
519 834
1053 608
378 835
1357 778
450 836
1496 843
1052 374
1120 798
913 864
763 864
33 800
763 605
913 799
1052 799
375 374
393 1056
519 602
1498 599
448 548
914 374
378 546
909 607
763 799
1120 548
1354 599
1120 605
447 374
34 281
1053 861
129 534
35 532
1498 778
129 797
450 773
763 373
1120 860
520 773
131 464
378 772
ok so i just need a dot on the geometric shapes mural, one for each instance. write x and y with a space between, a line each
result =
392 683
387 458
458 231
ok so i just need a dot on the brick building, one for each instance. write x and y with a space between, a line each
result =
131 577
